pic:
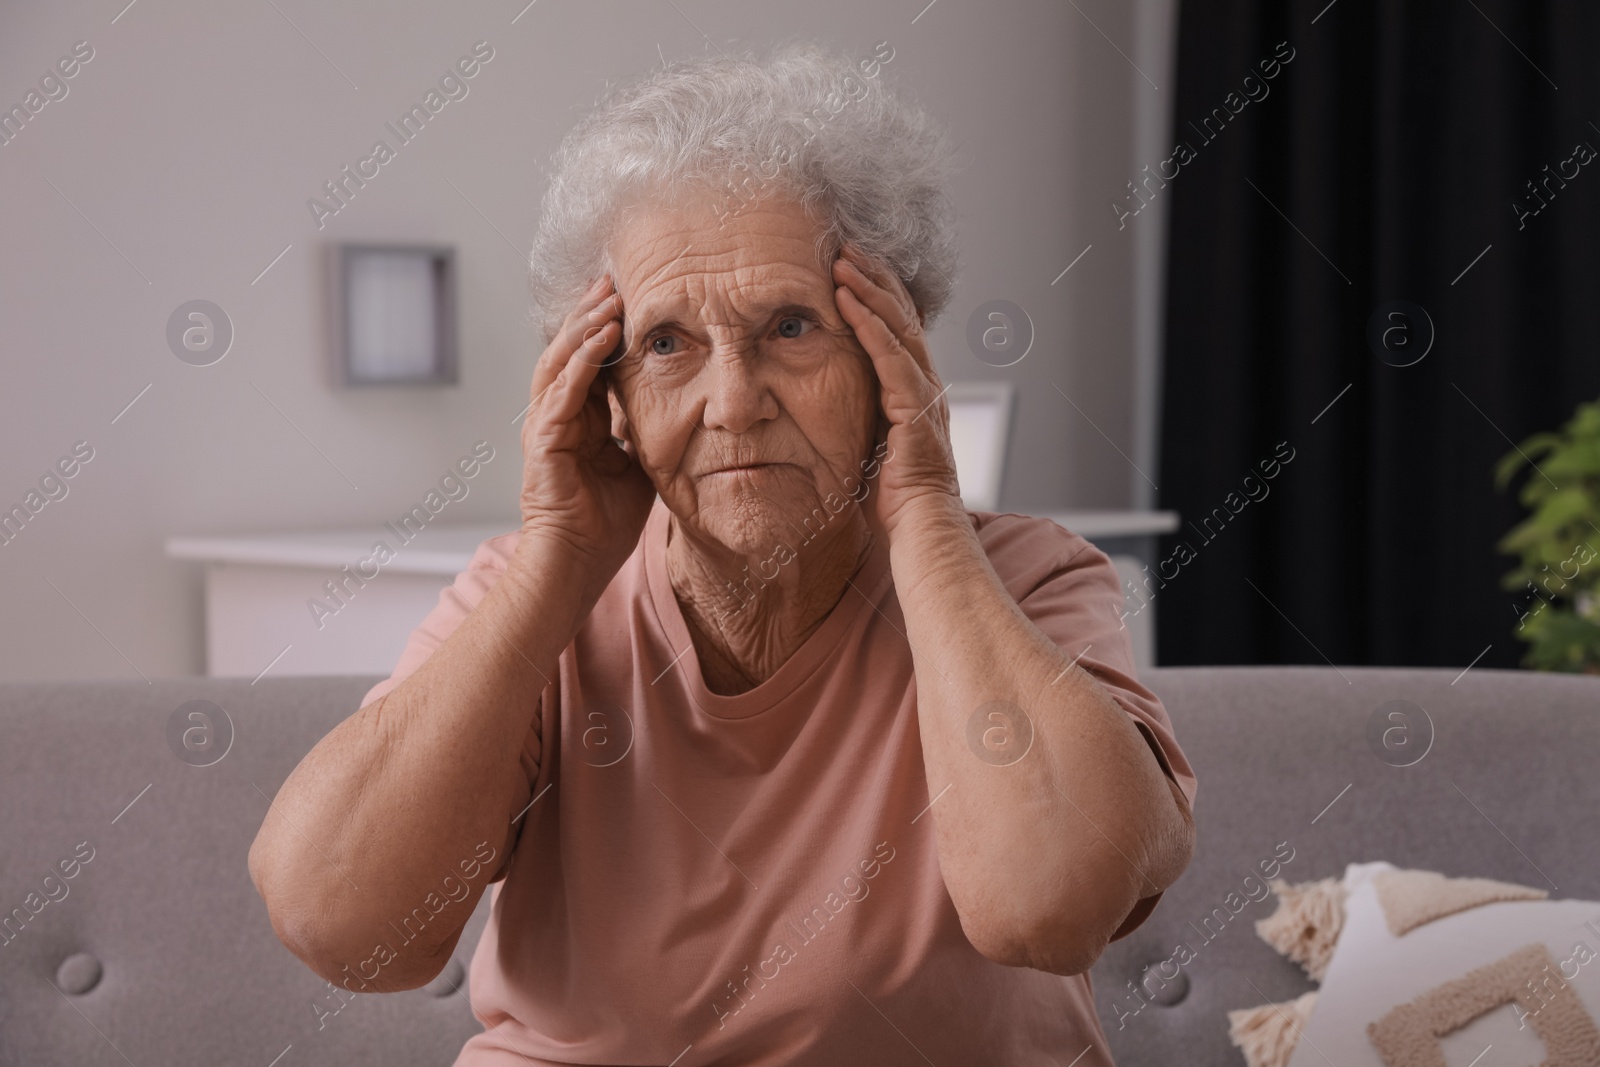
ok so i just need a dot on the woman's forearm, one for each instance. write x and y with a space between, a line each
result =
1047 848
394 798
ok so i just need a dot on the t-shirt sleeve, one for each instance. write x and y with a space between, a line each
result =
1071 591
456 601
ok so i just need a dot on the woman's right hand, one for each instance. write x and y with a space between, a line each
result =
581 489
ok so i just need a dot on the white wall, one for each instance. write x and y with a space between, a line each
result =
179 164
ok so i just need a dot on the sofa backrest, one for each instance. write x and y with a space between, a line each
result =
190 971
157 950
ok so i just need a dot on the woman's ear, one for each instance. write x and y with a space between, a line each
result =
620 430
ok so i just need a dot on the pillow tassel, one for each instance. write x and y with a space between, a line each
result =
1306 926
1267 1034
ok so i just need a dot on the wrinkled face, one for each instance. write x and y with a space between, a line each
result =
746 395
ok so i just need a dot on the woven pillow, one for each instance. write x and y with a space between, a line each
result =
1446 1010
1522 975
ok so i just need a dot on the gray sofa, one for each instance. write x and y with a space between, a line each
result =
157 951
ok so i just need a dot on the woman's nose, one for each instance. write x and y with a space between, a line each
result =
736 390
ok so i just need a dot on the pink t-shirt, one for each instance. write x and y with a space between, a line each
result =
752 879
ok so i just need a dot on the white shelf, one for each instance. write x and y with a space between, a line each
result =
447 548
1092 524
260 589
438 549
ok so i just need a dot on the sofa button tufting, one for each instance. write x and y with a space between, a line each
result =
78 974
449 979
1161 989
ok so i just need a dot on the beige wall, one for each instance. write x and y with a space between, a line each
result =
179 164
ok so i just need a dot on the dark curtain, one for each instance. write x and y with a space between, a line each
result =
1392 148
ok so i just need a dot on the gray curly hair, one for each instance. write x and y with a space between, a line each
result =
803 121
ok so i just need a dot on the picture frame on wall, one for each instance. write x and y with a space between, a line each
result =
394 314
980 431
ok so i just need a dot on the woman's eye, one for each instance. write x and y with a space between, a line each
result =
794 326
657 342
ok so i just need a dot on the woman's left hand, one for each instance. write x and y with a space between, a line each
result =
919 469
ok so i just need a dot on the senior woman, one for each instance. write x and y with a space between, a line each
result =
772 752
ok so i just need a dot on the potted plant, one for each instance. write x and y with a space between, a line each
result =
1558 613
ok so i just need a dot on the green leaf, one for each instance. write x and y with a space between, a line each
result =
1563 508
1563 498
1562 641
1530 450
